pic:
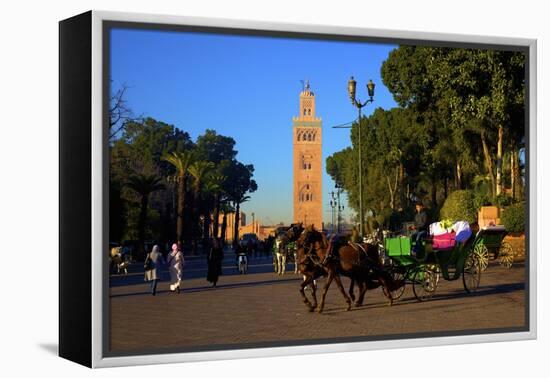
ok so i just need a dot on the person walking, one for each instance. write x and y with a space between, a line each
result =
175 266
214 259
153 261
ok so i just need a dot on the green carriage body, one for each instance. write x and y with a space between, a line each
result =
490 240
398 249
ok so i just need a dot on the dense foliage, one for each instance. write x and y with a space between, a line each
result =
513 217
165 187
459 125
460 206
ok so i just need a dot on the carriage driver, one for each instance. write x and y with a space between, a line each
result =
420 227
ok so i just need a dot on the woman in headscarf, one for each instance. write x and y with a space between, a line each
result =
175 266
215 257
153 261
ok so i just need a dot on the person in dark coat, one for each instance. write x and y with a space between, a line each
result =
421 223
214 259
154 260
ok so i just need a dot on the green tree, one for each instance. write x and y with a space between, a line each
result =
138 150
216 186
240 183
200 170
463 90
144 185
182 161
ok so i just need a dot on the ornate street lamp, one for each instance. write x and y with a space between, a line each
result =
333 205
352 84
340 208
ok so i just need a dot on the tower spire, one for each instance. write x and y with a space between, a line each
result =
308 186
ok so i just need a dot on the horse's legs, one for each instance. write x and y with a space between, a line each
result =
362 291
283 263
386 290
278 255
351 287
330 277
305 282
342 290
313 290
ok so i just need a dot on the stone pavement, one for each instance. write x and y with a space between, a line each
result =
262 307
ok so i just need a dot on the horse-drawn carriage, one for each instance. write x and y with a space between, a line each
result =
284 251
403 262
491 244
422 265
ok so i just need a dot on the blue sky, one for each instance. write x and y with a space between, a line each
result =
247 88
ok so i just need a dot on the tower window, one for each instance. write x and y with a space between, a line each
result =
309 112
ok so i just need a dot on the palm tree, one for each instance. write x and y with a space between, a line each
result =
237 199
215 185
144 185
200 170
182 161
225 208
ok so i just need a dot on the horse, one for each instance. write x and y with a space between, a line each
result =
318 257
242 263
118 261
283 248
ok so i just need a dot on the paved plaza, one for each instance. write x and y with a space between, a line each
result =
262 306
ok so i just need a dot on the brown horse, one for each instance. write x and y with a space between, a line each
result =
314 262
317 257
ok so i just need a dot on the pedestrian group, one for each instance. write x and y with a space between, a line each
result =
175 262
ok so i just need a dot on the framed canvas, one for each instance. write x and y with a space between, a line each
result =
233 189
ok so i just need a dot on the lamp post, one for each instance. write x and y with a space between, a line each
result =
173 181
352 84
339 207
333 205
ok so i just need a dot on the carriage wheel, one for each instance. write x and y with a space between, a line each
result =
471 273
398 292
483 255
506 255
424 283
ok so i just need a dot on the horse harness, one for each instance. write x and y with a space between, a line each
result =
362 255
362 252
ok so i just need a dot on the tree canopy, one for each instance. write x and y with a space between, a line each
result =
194 181
459 125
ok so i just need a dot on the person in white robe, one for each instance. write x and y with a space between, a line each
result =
175 262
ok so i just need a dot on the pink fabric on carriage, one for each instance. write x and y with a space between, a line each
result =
444 241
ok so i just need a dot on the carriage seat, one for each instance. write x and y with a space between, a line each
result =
488 216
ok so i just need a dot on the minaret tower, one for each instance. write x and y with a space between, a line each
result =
307 141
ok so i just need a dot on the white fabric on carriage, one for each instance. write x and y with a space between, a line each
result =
462 231
436 229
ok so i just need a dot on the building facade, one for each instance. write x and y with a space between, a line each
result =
255 227
307 142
